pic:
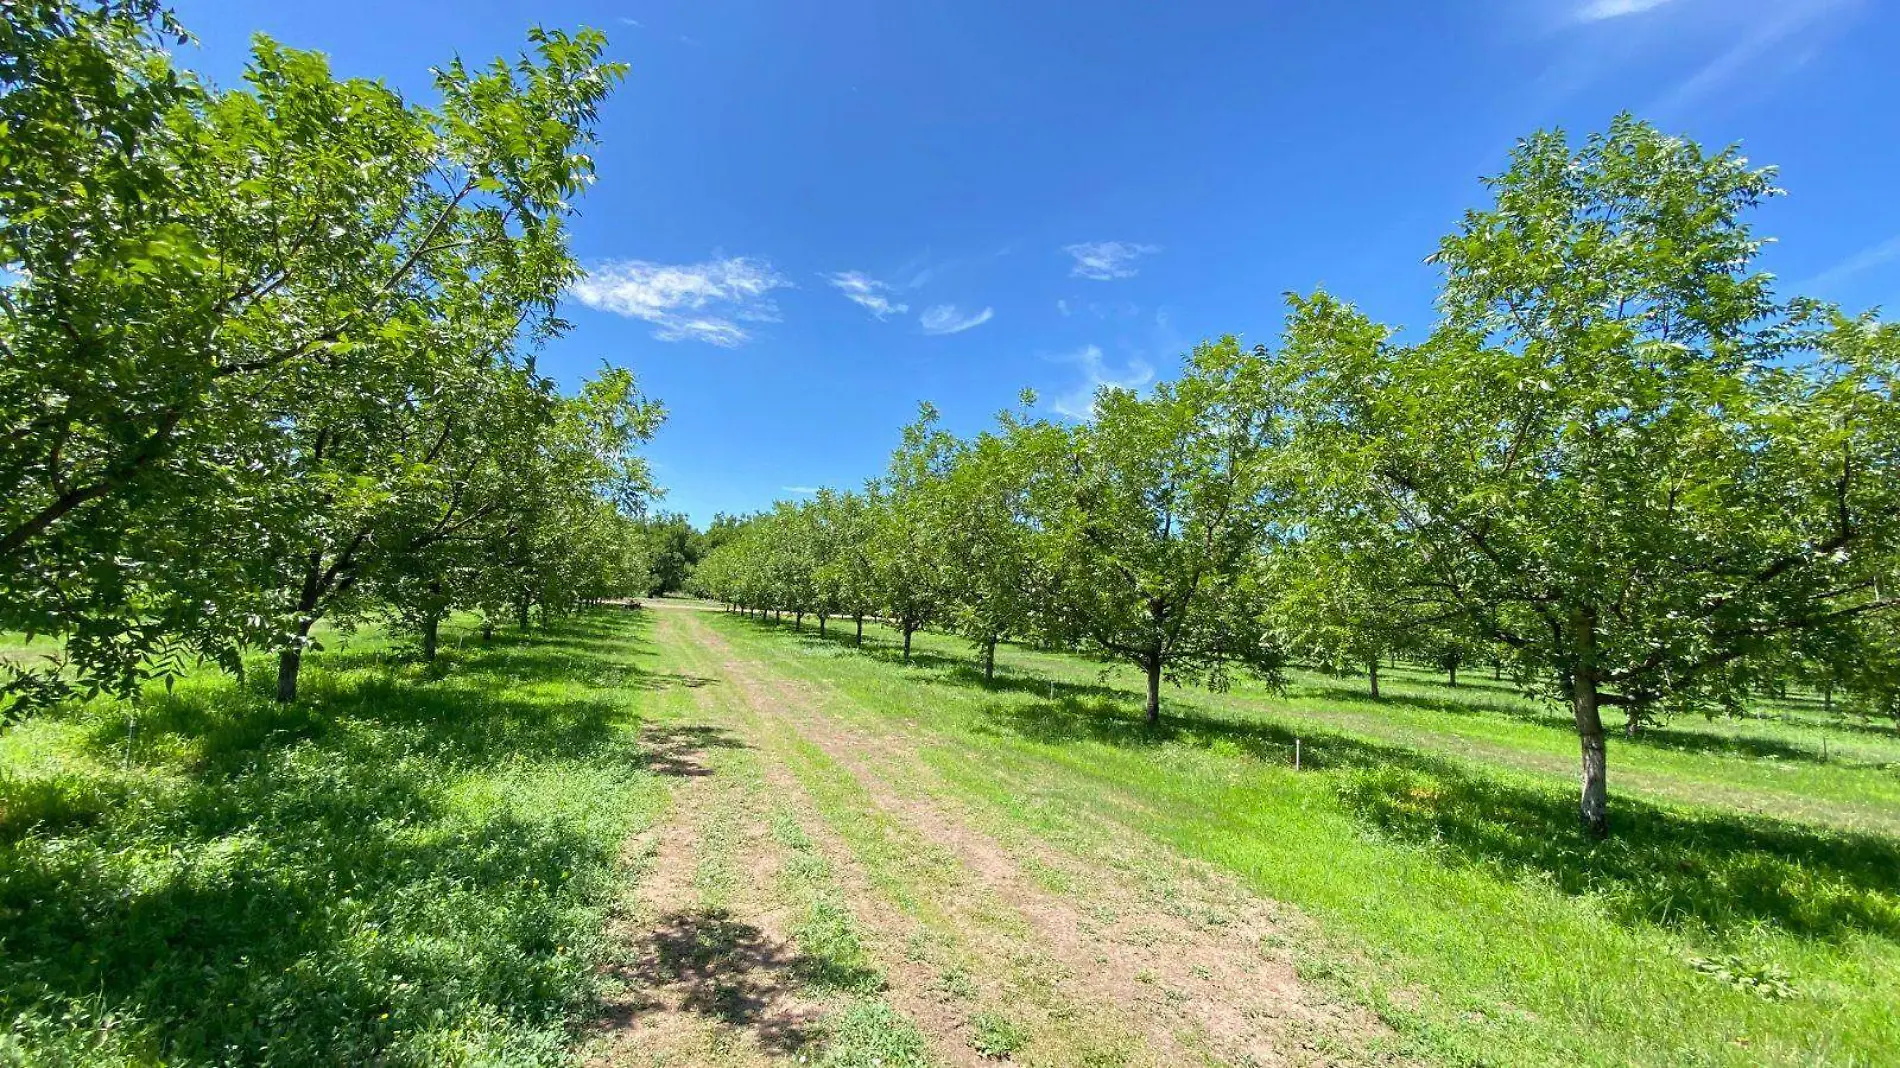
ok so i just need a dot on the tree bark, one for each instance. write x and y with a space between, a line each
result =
1153 664
1372 675
821 624
289 663
1593 803
989 660
431 629
860 622
908 631
798 621
521 613
1452 671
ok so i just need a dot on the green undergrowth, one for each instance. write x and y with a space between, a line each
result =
410 865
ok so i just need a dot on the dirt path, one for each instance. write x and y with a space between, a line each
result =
1107 968
706 971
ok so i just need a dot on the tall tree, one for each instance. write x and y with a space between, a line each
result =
1617 455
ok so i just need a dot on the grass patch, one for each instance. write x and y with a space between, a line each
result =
405 867
871 1034
993 1035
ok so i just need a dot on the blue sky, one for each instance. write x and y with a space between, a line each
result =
812 215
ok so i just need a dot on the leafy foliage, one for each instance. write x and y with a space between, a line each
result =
267 347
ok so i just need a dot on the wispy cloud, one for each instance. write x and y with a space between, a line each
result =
1079 403
1865 260
867 292
1786 20
1107 260
686 302
947 319
802 491
1598 10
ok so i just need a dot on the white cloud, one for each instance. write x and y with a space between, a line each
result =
946 319
686 302
1107 260
802 491
1063 307
1865 260
867 292
1598 10
1079 403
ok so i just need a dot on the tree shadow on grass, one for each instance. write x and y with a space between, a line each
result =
1740 745
952 670
1659 736
384 860
1662 865
724 969
1478 703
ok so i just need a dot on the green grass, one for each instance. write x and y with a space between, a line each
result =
408 866
1431 841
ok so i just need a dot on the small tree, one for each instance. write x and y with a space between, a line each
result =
1153 515
846 577
906 556
980 519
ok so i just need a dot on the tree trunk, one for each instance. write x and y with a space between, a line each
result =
1594 801
821 624
521 613
798 621
860 622
289 663
488 631
908 631
989 660
1153 665
431 629
1497 671
1452 671
1372 674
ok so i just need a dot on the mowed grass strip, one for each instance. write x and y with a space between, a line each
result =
409 866
1453 894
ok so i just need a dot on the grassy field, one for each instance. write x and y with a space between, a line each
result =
1746 912
678 837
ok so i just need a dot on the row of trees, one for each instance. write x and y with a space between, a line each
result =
266 351
1618 464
